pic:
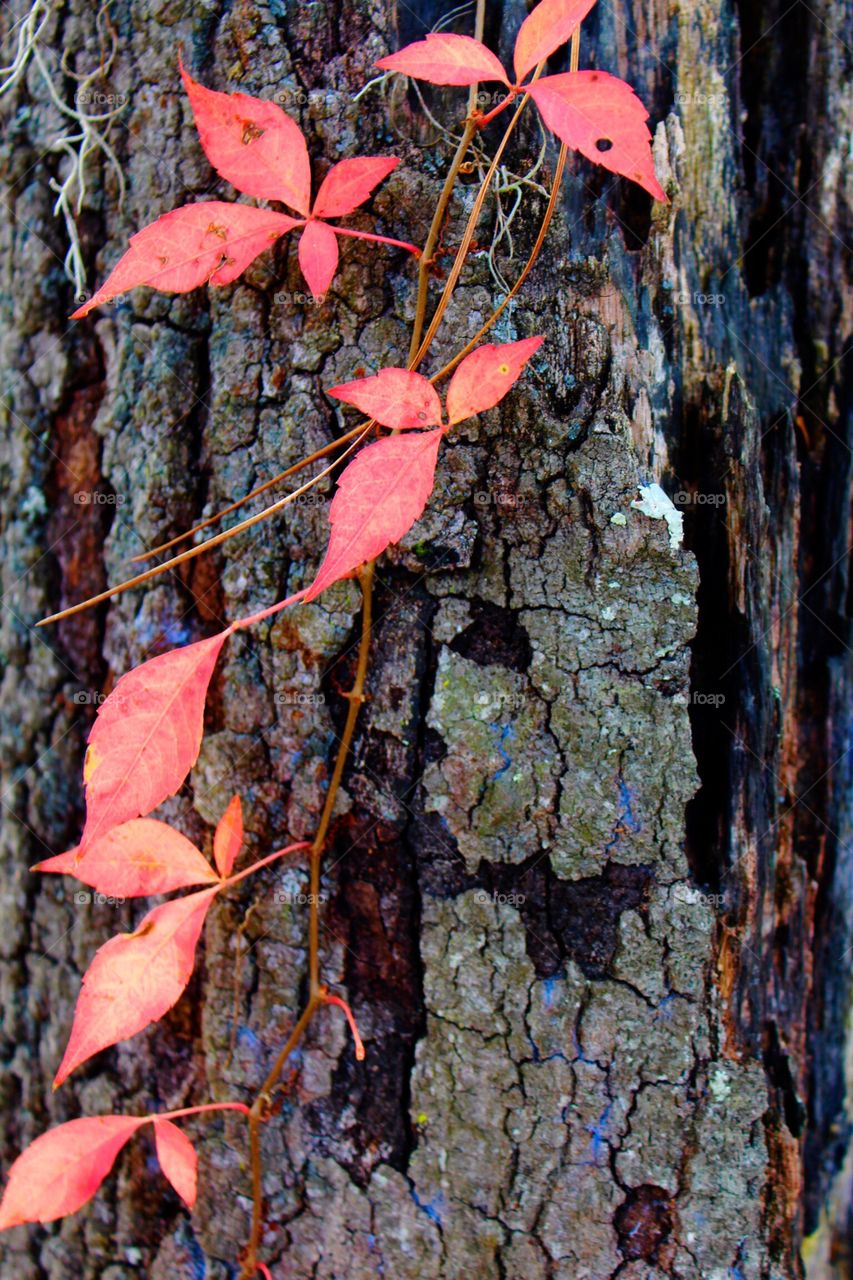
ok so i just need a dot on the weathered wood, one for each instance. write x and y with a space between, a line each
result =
590 889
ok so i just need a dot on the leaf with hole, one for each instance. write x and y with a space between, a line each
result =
600 116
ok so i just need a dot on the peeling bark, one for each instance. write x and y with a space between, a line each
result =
589 886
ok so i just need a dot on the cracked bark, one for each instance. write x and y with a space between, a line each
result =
589 889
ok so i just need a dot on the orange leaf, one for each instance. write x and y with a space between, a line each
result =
600 116
135 978
549 25
349 183
228 837
178 1159
484 377
147 735
446 59
63 1168
395 397
253 144
318 256
140 857
380 496
211 242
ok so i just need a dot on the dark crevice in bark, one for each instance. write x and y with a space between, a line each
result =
774 138
494 635
375 916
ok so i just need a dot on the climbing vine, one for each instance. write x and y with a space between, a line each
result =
148 731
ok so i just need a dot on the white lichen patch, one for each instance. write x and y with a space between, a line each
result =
655 504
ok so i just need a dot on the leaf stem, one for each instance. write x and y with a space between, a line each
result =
377 239
264 862
247 497
197 1111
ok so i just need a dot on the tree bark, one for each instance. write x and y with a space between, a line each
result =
589 886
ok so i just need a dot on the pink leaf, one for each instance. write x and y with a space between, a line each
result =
211 242
253 144
484 377
549 25
178 1159
318 256
349 183
600 116
228 837
135 978
380 496
63 1168
147 735
140 857
446 59
395 397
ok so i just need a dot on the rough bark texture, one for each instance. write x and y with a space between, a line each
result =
590 889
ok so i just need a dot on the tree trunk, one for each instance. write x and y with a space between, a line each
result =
589 888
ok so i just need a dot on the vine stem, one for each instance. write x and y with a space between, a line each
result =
197 1111
317 994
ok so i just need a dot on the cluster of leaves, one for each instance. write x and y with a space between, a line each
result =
147 733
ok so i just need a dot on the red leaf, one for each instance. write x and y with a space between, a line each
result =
178 1159
318 256
147 735
253 144
380 496
349 183
228 837
63 1168
446 59
484 377
584 108
139 857
549 25
395 397
135 978
211 242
